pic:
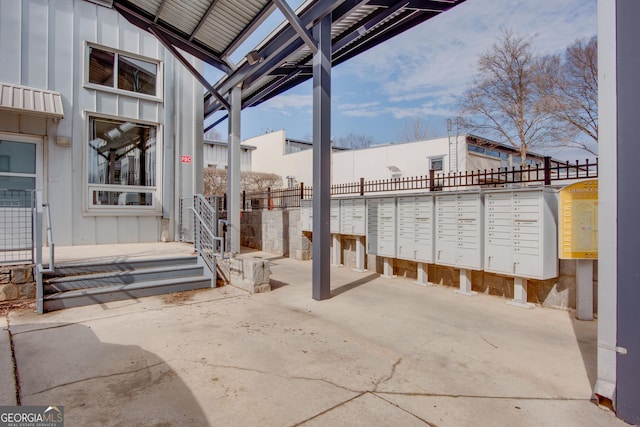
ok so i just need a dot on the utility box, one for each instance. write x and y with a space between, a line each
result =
352 217
334 224
459 230
415 228
306 215
381 226
521 232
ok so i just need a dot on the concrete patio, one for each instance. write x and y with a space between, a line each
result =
379 352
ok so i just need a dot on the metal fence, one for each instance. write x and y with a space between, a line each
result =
16 226
546 174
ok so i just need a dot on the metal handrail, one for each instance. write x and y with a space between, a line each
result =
51 267
204 232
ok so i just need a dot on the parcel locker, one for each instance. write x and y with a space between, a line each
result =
352 217
381 226
522 243
415 228
459 230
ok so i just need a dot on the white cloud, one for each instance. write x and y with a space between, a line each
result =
437 59
287 102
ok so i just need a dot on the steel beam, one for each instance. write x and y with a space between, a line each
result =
195 73
233 172
321 274
293 19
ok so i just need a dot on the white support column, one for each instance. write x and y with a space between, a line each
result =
337 250
387 268
423 275
465 283
584 289
520 293
359 254
233 180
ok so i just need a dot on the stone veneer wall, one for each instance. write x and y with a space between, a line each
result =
275 231
17 283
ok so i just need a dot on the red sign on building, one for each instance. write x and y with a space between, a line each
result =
185 159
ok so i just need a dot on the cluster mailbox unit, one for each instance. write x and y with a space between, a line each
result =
381 230
510 231
415 232
353 223
459 234
521 235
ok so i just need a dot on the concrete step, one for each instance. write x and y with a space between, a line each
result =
120 277
118 292
72 269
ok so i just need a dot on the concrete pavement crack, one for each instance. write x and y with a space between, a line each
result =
242 368
98 377
326 411
387 377
430 424
16 376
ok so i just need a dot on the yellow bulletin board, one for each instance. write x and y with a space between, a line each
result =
578 221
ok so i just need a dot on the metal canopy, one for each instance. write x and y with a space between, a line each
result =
213 29
285 60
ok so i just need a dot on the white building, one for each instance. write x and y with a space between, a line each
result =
100 117
216 155
275 153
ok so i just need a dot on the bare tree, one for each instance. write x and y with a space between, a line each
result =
570 85
505 100
414 129
215 181
254 182
353 141
213 135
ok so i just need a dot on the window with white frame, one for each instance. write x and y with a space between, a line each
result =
121 164
114 70
436 164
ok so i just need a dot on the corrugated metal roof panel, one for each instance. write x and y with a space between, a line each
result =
28 100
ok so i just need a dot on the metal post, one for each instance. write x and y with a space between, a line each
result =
233 177
321 159
520 293
423 275
547 170
465 283
362 186
584 289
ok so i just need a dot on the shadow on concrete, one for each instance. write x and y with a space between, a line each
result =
277 284
99 383
587 339
352 285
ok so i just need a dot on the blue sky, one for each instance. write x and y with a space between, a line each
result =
420 73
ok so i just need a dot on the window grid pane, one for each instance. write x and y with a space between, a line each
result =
101 65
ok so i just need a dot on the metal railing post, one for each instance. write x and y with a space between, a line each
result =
547 170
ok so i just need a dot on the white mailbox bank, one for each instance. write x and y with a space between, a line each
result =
521 236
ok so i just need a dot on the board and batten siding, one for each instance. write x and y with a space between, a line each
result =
43 43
